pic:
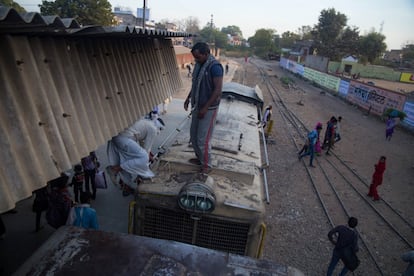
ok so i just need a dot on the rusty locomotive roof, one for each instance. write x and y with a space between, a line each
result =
76 250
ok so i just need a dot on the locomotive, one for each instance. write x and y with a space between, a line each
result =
224 209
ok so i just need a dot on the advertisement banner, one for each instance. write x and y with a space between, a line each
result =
325 80
407 77
343 88
283 63
292 66
409 110
374 99
300 69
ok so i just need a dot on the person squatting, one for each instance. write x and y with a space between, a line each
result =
129 153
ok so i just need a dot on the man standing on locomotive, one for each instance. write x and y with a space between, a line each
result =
205 97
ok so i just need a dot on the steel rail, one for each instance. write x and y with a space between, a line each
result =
283 114
372 206
367 185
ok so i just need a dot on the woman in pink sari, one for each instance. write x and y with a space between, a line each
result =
318 148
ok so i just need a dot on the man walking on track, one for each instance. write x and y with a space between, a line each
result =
345 239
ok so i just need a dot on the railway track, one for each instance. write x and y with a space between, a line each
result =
342 193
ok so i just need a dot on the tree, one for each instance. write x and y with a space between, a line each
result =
206 35
407 57
12 4
327 33
408 53
349 42
372 45
305 33
86 12
263 42
288 39
220 39
211 35
192 25
232 30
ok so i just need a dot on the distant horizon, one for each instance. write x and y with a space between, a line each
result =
393 19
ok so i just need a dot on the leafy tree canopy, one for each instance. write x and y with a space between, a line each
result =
327 33
408 52
12 4
86 12
305 32
212 35
263 42
232 30
288 39
372 45
348 43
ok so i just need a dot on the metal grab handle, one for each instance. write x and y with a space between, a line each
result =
178 129
266 164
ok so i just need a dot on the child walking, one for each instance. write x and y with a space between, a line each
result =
77 181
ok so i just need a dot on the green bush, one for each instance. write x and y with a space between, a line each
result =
286 80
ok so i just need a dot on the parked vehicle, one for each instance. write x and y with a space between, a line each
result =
273 56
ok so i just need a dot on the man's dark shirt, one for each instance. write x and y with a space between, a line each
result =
346 236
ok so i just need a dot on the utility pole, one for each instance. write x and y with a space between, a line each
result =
143 14
211 30
381 27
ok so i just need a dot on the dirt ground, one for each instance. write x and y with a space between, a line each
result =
297 227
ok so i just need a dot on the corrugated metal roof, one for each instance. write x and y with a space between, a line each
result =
12 22
62 96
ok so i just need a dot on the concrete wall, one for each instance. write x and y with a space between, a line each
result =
316 62
365 71
369 97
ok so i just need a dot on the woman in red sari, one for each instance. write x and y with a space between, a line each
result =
377 178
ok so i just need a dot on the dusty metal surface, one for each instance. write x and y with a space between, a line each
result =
66 90
75 251
236 157
237 222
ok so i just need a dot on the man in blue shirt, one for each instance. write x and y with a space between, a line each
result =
312 139
205 97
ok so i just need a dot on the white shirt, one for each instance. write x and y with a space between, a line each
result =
143 132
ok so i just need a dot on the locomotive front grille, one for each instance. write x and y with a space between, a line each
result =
209 232
222 235
168 225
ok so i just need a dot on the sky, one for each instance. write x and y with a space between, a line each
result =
394 18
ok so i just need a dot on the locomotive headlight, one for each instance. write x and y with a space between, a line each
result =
197 197
204 204
187 201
